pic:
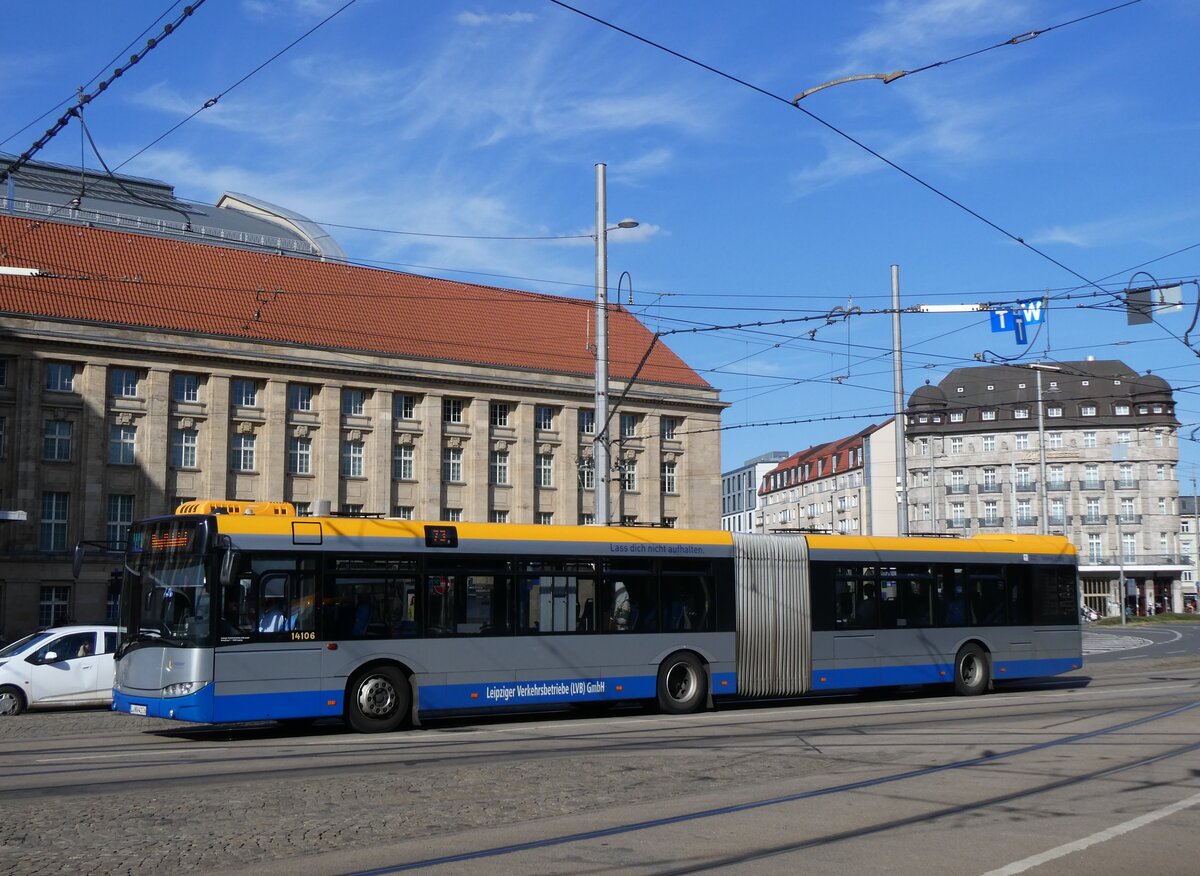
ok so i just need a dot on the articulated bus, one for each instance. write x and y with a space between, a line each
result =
237 612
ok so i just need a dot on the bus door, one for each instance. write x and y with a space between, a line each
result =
268 660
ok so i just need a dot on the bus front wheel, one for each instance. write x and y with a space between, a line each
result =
971 671
681 684
377 700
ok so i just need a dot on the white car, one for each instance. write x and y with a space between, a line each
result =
63 666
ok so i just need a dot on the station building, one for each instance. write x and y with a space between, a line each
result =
154 351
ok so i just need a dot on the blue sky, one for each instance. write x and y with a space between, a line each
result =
485 120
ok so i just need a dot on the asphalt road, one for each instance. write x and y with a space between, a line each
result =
1093 773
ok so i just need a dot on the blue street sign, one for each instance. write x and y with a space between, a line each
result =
1015 320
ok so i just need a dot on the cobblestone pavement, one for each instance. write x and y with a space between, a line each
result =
229 824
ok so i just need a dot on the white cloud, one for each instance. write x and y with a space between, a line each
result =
479 19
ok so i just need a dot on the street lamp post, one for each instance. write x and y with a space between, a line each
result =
600 443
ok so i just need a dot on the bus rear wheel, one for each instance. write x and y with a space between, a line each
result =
681 683
377 700
972 672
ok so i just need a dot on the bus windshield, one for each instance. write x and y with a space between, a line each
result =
166 592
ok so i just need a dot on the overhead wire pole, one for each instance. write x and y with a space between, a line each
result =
600 443
898 393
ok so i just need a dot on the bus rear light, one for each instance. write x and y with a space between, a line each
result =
474 696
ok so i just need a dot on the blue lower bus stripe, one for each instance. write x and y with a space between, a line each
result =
935 673
205 706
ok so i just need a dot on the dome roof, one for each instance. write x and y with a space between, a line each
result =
927 397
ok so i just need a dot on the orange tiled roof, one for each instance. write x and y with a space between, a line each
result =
125 279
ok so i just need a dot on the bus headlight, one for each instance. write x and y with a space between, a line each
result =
182 688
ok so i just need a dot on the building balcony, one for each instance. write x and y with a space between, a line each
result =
1091 485
991 522
1026 488
1058 486
958 489
1058 520
1127 483
957 523
1129 518
1026 521
991 488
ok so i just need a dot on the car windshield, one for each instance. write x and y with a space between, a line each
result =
20 644
168 598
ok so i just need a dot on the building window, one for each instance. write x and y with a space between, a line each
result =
543 417
300 456
183 448
241 453
545 518
53 605
1124 437
669 427
923 446
403 512
354 402
989 414
1095 547
629 424
1091 476
545 470
991 481
123 382
991 512
352 459
452 472
587 519
498 468
1092 514
1024 512
628 474
1057 476
1020 413
303 509
120 444
452 410
452 515
1089 439
404 407
1127 513
120 516
587 422
958 514
1087 410
956 446
1159 439
352 510
300 397
1021 441
669 484
56 441
243 393
989 443
956 416
629 520
1054 411
1121 410
1058 516
60 376
587 476
498 414
1129 547
185 387
52 535
1054 440
403 466
497 516
3 433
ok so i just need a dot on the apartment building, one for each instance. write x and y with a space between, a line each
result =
847 486
1086 449
739 490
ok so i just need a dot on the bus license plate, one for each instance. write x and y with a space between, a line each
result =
137 709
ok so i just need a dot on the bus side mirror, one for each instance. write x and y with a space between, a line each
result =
77 560
229 562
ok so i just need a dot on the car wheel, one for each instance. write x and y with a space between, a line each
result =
12 701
